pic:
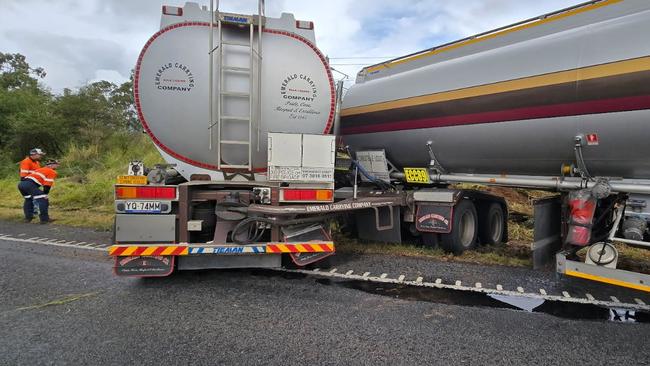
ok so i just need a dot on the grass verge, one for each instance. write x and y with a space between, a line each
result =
514 254
83 194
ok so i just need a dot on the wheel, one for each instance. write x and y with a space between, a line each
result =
491 223
464 229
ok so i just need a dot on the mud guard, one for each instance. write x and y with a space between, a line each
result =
144 266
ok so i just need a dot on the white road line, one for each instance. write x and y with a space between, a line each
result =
590 296
349 272
542 291
366 274
419 283
81 243
22 234
34 238
458 283
383 275
639 301
615 299
499 288
478 285
46 241
520 290
565 294
438 281
333 270
401 278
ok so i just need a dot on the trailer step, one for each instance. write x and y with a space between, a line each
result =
235 69
234 142
238 44
235 118
235 94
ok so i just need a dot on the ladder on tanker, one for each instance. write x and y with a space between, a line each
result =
240 24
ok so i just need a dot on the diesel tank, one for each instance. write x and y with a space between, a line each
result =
516 100
198 83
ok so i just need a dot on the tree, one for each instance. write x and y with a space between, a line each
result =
31 116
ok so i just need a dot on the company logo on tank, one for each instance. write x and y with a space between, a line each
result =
174 76
298 92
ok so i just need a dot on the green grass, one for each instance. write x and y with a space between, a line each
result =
513 254
83 193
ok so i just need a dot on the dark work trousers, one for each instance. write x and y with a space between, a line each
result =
33 194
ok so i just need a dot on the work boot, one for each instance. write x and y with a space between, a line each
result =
28 220
45 222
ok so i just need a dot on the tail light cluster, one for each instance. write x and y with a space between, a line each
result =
306 195
145 192
582 206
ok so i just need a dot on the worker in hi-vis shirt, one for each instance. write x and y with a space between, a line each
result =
35 188
31 162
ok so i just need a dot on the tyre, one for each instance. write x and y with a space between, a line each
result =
491 224
464 231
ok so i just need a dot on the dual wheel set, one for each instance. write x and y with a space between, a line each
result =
472 223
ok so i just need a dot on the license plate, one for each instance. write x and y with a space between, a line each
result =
417 175
132 179
142 206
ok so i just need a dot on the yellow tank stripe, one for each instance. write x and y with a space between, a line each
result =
300 248
610 281
283 248
586 73
493 35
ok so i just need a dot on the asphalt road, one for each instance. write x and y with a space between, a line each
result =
63 306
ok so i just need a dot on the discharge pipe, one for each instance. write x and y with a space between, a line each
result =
554 183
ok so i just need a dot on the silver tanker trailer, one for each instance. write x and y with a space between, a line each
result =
245 109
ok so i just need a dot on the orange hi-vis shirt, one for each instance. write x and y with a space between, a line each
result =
28 166
43 176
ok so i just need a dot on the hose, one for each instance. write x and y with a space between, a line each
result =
255 232
380 183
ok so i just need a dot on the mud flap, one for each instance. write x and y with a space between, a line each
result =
307 233
434 218
144 266
303 259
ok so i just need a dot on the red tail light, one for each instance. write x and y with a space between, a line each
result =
145 192
324 195
582 206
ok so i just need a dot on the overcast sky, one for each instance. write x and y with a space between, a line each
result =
78 41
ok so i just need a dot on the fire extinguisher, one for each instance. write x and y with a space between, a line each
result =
582 207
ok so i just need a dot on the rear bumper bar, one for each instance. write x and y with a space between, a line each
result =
200 249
